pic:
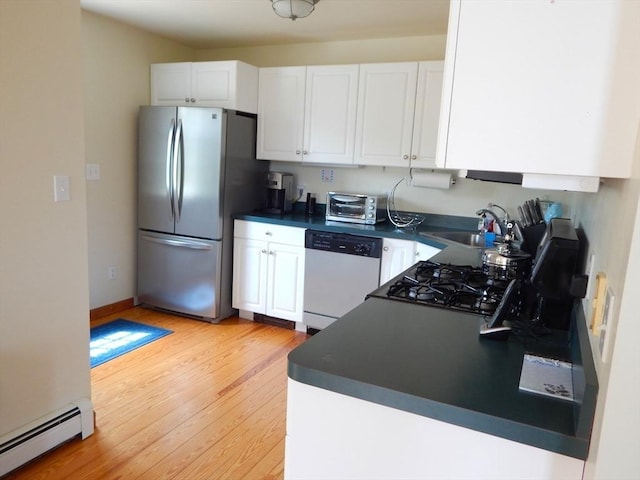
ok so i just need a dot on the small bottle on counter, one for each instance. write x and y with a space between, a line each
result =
311 204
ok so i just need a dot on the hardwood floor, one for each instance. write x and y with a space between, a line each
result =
206 402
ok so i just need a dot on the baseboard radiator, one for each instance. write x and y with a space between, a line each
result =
44 434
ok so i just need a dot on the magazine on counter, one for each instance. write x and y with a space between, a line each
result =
547 376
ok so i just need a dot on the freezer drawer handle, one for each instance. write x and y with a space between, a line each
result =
179 243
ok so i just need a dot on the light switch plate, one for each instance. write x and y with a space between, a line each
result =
93 171
61 188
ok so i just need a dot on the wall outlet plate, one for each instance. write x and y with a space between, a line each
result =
606 333
327 175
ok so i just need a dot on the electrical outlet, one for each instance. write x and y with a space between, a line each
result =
327 175
93 171
591 271
112 273
604 343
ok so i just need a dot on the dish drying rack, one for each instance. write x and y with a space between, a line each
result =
401 220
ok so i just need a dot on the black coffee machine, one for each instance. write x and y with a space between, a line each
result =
279 192
554 275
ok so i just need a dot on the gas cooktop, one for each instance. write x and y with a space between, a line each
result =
456 287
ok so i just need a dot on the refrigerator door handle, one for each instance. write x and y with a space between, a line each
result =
178 167
169 165
193 244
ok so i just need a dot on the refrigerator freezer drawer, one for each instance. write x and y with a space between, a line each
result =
179 274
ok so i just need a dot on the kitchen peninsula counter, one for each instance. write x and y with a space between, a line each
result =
432 363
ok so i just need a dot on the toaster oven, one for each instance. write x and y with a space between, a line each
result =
356 207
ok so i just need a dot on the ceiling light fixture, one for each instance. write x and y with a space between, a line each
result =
293 8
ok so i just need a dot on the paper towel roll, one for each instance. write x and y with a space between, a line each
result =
431 180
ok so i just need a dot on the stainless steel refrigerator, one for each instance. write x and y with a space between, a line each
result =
196 167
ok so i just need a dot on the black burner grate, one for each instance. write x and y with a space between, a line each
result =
464 288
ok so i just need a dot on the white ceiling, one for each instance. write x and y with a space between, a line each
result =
234 23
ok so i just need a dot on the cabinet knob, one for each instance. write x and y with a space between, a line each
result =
304 152
413 157
298 152
268 234
406 157
263 251
193 100
271 252
186 99
386 249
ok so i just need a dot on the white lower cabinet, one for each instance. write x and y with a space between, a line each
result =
268 269
398 255
425 252
331 436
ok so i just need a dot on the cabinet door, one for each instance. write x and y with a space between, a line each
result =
229 84
250 275
397 256
425 252
330 114
541 87
285 281
427 115
281 113
171 84
384 125
213 84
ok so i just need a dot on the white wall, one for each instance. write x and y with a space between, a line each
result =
610 220
464 198
327 53
116 82
44 295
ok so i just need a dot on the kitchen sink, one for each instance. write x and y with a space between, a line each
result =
468 239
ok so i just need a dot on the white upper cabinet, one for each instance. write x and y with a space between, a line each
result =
541 87
307 114
384 126
330 114
427 115
171 83
281 113
229 84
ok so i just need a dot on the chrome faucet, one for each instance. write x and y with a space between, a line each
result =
502 222
510 230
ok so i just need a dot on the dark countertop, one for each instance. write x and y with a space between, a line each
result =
432 223
431 361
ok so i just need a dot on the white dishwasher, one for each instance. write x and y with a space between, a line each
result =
340 270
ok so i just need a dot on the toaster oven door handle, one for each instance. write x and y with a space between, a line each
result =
350 198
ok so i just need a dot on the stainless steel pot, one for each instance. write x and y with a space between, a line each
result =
505 263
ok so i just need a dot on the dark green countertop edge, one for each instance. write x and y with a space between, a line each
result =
495 426
576 446
433 223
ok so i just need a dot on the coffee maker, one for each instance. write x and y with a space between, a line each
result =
279 192
555 276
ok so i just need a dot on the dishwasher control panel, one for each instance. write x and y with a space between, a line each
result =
343 243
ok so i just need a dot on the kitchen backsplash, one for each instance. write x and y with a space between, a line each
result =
462 199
